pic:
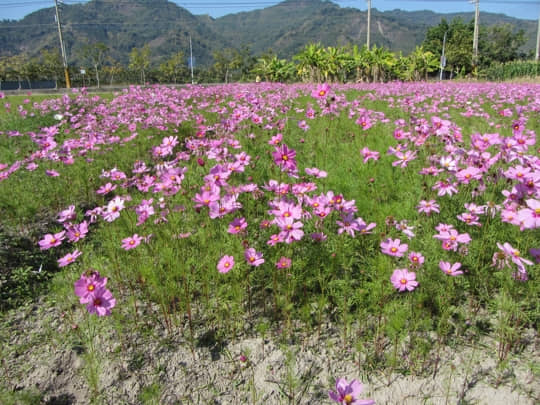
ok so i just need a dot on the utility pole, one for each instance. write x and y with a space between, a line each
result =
475 37
62 47
191 60
538 41
368 22
443 56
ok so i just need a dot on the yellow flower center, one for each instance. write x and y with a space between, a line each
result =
322 93
285 157
393 250
91 287
403 281
348 399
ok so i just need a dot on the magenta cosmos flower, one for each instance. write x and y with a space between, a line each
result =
402 280
89 282
348 393
394 247
225 264
101 302
285 157
321 92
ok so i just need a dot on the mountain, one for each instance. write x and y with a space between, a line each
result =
284 28
121 25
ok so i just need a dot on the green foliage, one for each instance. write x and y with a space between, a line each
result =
511 70
24 397
139 61
287 28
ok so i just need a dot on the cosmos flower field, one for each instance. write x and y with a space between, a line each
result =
392 210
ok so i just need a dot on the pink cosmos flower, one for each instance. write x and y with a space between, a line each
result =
69 258
303 125
275 239
464 176
364 122
276 139
237 225
318 236
394 247
450 237
445 187
225 264
369 154
321 92
52 173
316 172
113 209
450 269
530 216
68 214
515 255
348 393
285 157
253 257
101 301
416 259
407 229
402 280
76 232
131 242
106 188
404 158
290 229
348 224
427 207
87 284
284 263
50 240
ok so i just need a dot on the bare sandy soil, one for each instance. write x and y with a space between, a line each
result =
41 353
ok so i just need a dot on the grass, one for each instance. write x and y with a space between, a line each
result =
344 280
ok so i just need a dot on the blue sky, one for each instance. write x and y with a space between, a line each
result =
529 9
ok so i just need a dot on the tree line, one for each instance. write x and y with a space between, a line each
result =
314 63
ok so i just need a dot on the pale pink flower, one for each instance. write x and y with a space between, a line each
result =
131 242
450 269
225 264
50 240
394 247
69 258
402 280
284 263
